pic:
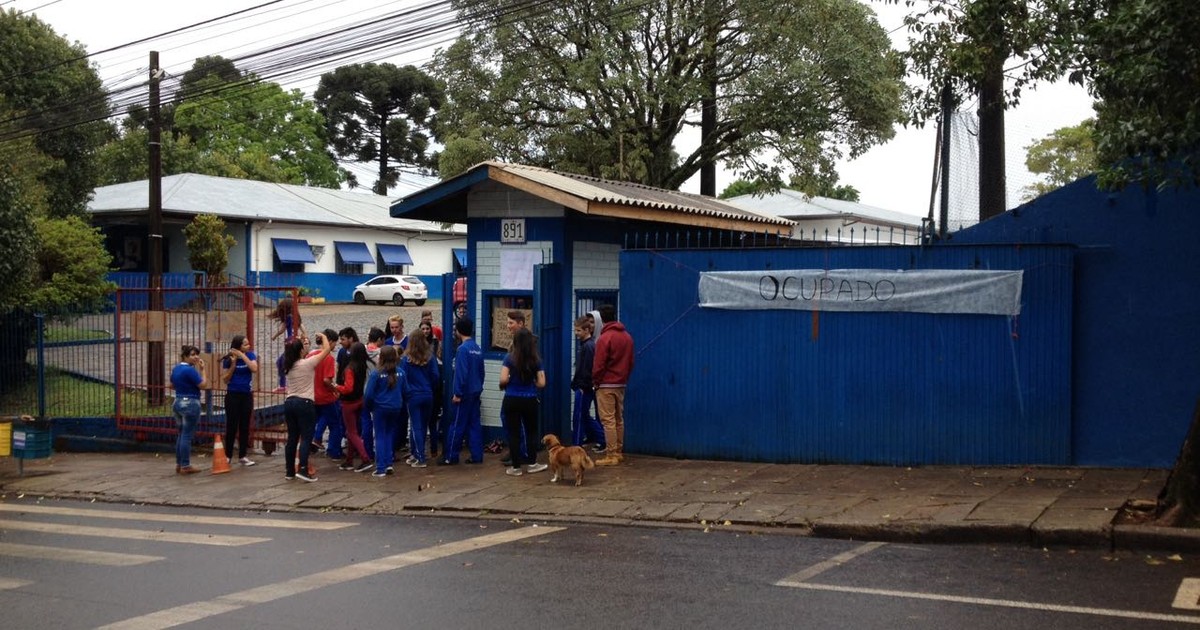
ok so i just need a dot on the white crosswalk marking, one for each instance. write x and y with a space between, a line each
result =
10 583
175 518
84 556
1188 595
197 611
131 534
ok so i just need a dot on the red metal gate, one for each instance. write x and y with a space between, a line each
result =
149 343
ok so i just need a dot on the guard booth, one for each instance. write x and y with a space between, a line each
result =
548 244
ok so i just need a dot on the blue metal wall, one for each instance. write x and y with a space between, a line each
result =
886 388
1136 363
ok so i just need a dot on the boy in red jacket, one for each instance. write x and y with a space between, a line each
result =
610 373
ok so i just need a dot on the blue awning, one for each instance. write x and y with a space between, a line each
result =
394 254
354 253
461 256
293 250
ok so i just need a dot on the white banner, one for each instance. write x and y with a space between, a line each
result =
872 290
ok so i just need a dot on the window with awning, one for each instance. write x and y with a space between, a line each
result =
293 251
394 254
354 253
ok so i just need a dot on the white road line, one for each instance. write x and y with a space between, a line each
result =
1188 595
175 518
1006 603
75 555
197 611
834 562
131 534
10 583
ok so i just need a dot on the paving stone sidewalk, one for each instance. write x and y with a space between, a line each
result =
1024 505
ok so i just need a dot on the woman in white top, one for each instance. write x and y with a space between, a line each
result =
298 409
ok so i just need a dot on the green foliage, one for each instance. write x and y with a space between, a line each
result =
16 230
606 88
208 247
127 158
461 153
745 187
228 124
810 185
57 99
956 41
71 266
379 113
1067 154
1142 60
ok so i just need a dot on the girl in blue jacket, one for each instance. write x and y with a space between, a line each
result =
384 398
421 373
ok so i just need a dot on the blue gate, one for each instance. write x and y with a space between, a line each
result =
823 387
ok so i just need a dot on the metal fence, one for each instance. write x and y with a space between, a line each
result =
116 364
730 239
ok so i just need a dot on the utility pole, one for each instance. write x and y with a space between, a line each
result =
155 360
708 103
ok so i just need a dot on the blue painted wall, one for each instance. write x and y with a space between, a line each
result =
882 388
1136 365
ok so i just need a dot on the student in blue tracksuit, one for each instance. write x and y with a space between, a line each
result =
468 385
385 397
421 373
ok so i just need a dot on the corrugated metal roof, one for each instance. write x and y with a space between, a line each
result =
243 199
637 195
796 205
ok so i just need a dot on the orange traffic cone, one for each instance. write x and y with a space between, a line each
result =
220 461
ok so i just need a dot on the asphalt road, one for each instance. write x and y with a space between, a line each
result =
83 565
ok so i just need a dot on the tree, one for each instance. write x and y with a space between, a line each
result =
259 131
606 88
964 45
71 267
54 96
208 247
1067 154
461 153
1141 60
379 113
16 227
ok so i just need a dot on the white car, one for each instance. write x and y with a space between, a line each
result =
394 289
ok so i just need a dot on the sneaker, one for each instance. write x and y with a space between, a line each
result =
419 465
513 472
446 462
315 447
599 448
390 471
410 460
279 390
188 470
364 467
304 476
378 475
289 477
535 468
346 466
246 461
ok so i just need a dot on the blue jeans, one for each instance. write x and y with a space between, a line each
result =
187 416
585 424
330 416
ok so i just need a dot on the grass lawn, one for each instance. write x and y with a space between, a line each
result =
68 396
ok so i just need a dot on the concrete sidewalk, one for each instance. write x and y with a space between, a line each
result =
1025 505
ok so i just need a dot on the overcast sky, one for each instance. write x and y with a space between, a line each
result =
895 176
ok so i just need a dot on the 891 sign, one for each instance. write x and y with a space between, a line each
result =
512 230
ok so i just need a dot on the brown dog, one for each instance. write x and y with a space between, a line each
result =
562 457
